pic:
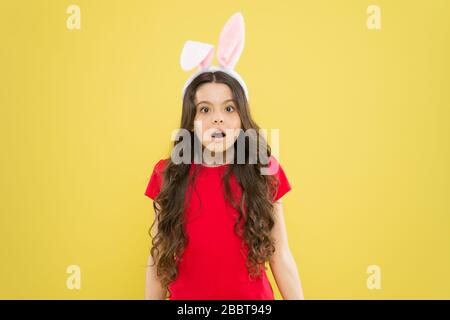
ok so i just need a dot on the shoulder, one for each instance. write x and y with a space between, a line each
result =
160 165
283 185
273 165
273 160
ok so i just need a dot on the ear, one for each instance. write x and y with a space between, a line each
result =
231 41
196 54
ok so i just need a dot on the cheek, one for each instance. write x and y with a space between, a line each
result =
201 125
201 122
234 122
198 116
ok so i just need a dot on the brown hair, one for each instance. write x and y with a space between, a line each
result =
255 206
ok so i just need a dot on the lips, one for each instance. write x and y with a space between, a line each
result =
218 134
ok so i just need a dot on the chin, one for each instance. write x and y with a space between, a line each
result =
217 147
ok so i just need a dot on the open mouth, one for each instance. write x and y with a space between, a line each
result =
218 135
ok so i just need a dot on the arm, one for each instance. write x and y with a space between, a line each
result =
282 264
153 288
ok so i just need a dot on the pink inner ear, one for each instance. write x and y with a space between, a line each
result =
237 49
231 41
205 63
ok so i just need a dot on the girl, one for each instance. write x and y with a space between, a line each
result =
217 220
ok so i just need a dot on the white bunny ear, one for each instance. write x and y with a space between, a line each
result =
231 41
196 54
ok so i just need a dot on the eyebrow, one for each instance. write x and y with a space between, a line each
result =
208 102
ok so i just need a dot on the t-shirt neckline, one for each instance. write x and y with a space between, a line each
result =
214 167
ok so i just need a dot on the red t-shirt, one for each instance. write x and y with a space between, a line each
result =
212 267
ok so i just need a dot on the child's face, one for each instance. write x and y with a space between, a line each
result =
216 112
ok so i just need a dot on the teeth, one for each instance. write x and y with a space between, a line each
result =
218 134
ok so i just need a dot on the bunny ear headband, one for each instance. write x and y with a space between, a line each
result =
229 49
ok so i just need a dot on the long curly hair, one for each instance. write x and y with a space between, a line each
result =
255 207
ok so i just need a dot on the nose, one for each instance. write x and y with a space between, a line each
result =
218 118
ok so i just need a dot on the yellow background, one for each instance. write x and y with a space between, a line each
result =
364 130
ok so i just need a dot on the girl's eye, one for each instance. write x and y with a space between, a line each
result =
229 108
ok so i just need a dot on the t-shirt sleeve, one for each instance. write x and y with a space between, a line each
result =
283 183
156 179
